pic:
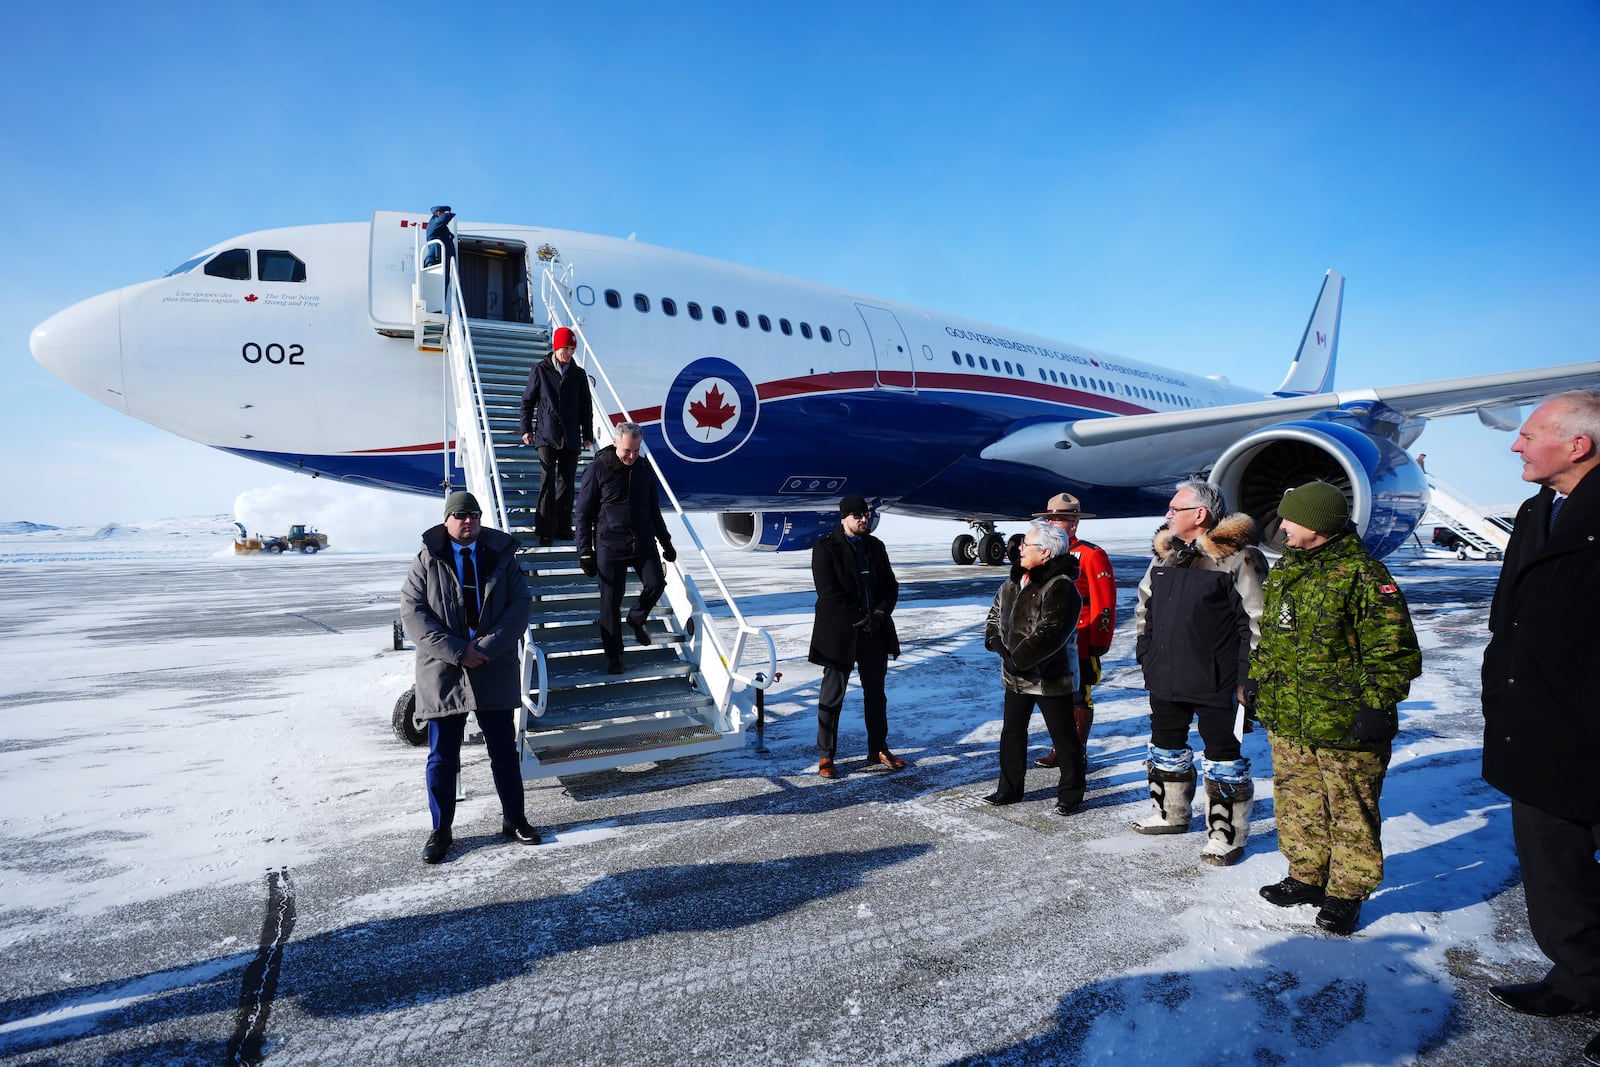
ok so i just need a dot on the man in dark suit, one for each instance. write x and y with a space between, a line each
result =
853 630
1541 703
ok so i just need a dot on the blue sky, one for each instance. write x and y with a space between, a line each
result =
1164 181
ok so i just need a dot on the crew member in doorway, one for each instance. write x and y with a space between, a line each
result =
466 605
1097 618
439 220
853 630
557 418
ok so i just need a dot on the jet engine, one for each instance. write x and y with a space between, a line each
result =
775 531
1388 492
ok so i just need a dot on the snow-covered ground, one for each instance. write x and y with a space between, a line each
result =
209 848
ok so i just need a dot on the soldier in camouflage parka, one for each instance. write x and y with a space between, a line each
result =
1335 638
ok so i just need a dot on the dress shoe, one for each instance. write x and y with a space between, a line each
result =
826 768
521 830
1067 807
437 845
1000 800
1339 915
1047 760
614 666
640 634
1292 891
1591 1051
1536 998
888 759
546 542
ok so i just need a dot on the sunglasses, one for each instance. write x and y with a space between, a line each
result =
860 514
466 514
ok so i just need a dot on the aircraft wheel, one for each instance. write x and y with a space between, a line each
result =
1014 548
407 727
992 550
309 548
964 549
275 550
1461 553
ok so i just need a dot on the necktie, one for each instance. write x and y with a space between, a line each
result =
1555 509
469 588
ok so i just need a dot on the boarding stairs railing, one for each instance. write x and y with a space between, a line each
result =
1468 528
650 719
679 695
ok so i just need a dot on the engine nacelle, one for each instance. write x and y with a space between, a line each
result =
775 531
1388 492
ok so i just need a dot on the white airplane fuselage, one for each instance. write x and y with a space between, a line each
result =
813 391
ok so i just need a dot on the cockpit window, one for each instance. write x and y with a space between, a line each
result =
278 266
186 266
234 264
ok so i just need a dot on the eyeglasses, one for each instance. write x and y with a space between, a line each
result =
1174 511
1032 544
466 514
861 514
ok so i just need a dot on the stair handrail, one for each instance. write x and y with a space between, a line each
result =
474 440
1464 515
552 287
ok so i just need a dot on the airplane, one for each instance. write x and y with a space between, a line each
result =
764 398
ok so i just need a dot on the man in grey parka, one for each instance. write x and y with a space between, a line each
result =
466 605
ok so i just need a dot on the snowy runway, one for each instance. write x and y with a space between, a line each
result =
210 854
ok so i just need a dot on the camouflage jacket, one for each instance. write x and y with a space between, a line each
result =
1335 637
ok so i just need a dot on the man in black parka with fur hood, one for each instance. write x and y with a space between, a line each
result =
853 630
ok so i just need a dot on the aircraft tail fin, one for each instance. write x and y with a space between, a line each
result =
1312 369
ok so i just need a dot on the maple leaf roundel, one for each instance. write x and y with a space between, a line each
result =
710 411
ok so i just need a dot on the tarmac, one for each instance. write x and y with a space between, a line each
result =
728 909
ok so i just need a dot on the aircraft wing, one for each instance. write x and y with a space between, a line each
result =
1495 397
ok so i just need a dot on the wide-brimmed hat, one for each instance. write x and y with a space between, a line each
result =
1063 506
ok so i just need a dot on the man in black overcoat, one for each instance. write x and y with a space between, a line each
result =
1541 702
853 630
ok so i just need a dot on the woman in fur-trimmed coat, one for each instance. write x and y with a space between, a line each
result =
1033 626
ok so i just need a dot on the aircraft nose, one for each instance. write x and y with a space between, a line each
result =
83 347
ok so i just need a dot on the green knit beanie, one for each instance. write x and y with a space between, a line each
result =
1317 506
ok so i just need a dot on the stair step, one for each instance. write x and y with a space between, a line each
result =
620 702
648 742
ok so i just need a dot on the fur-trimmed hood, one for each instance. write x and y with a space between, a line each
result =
1227 538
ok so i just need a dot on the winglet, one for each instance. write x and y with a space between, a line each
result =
1312 369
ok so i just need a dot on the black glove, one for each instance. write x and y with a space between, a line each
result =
590 567
1252 690
868 622
669 553
1375 724
1006 662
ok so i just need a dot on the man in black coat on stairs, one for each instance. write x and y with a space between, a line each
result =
853 630
1541 703
558 419
619 523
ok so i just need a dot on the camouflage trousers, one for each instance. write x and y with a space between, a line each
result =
1329 828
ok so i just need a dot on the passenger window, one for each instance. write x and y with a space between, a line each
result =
805 330
969 359
827 334
233 264
613 298
669 306
694 310
277 266
956 356
783 324
720 315
744 320
766 323
641 302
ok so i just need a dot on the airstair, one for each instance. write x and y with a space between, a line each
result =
1460 526
689 691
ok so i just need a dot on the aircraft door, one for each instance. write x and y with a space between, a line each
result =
890 349
391 269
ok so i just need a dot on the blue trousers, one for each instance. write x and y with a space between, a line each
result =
444 763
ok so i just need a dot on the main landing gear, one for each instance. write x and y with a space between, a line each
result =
985 546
